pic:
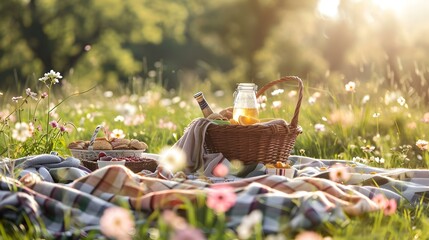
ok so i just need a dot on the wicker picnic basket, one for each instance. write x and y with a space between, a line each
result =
88 157
256 143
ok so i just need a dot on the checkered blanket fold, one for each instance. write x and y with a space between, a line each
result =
305 201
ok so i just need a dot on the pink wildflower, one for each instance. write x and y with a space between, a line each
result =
188 233
221 198
220 170
339 173
426 117
33 95
118 223
63 128
16 99
380 200
173 220
308 235
53 124
390 208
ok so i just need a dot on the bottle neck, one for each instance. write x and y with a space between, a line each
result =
204 106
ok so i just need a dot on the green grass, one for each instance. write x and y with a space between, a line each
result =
160 117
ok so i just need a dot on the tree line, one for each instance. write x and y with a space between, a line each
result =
224 42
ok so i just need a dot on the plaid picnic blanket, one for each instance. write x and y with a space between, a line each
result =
305 201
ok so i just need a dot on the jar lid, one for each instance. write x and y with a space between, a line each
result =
248 86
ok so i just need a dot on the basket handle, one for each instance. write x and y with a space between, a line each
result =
94 135
294 122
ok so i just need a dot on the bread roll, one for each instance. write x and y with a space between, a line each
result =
120 143
227 112
77 145
137 145
101 144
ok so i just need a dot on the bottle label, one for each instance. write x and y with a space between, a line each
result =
203 104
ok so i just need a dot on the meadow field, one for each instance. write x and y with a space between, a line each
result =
67 67
354 121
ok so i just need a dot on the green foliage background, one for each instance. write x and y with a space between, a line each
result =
223 42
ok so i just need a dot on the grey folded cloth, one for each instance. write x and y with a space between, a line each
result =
49 161
192 142
50 167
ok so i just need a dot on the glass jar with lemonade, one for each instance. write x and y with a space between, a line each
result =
245 101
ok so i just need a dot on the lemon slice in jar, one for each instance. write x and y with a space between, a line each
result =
246 120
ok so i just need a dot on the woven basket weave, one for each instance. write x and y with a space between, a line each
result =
145 164
256 143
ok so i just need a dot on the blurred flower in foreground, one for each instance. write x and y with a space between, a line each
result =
401 101
117 133
174 159
380 200
172 219
188 233
221 198
365 99
308 235
350 86
236 166
117 223
318 127
21 132
181 228
220 170
422 144
339 173
278 236
426 117
244 230
388 206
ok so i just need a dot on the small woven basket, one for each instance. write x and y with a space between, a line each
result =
257 142
88 157
144 164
